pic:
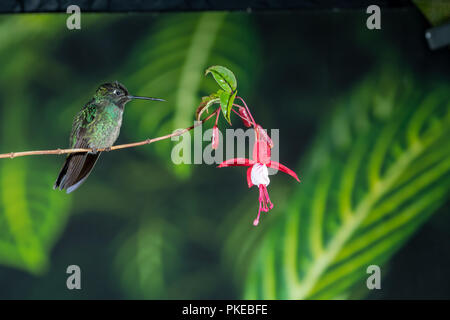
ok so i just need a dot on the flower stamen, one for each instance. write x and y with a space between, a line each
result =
266 194
256 221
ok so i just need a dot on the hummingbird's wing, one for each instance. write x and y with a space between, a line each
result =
82 121
76 169
78 166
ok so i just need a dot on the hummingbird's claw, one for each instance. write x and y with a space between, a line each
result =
108 149
94 151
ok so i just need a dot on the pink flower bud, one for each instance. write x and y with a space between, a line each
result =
264 136
215 137
245 118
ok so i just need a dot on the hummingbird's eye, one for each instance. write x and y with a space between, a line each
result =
117 92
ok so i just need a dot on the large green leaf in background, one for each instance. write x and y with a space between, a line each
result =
436 11
146 273
32 215
377 172
170 64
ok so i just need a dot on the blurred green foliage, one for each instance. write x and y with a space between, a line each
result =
436 11
32 216
144 228
374 176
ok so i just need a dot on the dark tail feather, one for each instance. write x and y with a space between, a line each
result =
75 170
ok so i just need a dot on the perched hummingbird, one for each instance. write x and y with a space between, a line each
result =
96 126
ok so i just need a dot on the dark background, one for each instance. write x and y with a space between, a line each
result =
178 5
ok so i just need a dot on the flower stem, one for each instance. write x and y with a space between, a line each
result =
218 114
248 110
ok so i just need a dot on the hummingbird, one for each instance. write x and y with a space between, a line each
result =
96 126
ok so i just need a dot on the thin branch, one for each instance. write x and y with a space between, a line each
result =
12 155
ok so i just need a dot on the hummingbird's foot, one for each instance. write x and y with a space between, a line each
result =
94 151
108 149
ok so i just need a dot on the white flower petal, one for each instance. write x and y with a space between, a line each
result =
260 174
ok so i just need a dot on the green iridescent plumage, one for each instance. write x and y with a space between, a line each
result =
96 126
98 123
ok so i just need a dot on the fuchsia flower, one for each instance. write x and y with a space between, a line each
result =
215 138
257 173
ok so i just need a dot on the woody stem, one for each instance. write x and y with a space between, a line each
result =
12 155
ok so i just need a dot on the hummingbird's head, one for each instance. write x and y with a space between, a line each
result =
113 91
116 93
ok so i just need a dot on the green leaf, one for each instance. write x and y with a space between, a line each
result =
140 259
226 103
436 11
153 262
224 77
32 215
377 172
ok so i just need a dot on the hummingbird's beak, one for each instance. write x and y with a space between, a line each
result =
145 98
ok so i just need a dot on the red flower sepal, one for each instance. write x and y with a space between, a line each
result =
257 173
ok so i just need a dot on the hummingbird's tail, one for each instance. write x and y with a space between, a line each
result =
75 170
